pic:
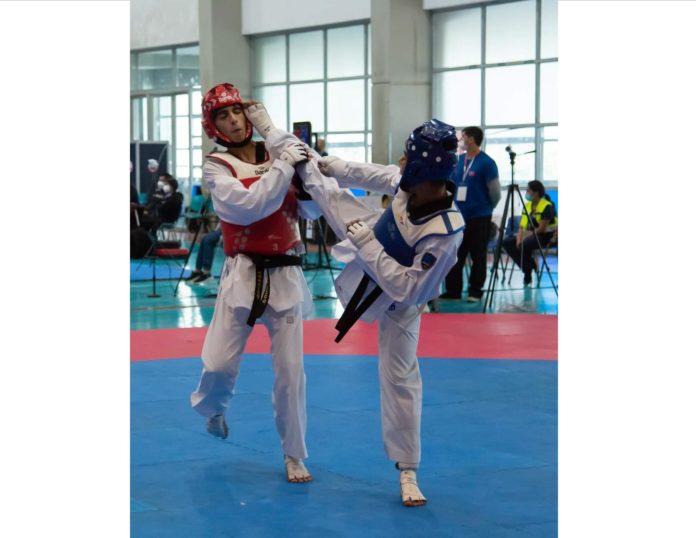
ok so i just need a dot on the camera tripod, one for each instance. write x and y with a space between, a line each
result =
510 203
322 252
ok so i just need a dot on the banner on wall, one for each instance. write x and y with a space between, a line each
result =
148 161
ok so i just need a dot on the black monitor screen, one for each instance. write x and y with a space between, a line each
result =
303 131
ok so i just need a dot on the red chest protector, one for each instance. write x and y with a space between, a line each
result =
274 234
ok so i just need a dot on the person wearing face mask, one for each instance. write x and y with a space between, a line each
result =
165 204
168 198
543 221
478 193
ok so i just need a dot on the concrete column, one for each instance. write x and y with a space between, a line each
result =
225 54
401 74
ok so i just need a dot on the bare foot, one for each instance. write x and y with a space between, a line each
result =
296 471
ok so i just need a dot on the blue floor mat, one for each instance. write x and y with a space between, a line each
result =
164 270
489 455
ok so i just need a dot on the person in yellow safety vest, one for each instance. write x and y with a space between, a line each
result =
543 220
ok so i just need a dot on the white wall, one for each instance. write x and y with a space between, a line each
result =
262 16
439 4
157 23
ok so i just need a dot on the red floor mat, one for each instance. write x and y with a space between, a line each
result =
456 336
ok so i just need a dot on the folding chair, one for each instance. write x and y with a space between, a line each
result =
163 250
550 249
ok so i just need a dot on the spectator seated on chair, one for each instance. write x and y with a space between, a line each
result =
204 259
164 206
543 221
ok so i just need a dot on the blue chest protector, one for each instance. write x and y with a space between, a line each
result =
388 234
399 236
400 239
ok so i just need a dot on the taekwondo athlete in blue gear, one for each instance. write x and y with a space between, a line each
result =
400 256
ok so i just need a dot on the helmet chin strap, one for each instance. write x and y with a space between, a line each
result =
231 144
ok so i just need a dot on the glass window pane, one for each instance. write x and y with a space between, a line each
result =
182 132
163 131
549 28
457 96
197 172
156 69
505 106
182 173
369 104
307 104
510 32
350 147
133 72
162 110
457 38
346 105
549 92
163 105
196 126
135 120
549 137
182 104
197 156
521 141
346 51
187 78
369 50
196 99
196 141
144 118
182 158
269 55
307 55
187 66
273 98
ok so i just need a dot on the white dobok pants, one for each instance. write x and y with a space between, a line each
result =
222 355
401 388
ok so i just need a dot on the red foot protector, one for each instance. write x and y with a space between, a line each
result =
451 336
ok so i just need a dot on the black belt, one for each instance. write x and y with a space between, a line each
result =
263 262
354 310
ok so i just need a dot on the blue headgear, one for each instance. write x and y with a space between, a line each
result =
430 154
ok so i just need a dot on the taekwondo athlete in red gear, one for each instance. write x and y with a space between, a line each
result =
261 277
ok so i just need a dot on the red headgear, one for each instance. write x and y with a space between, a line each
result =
220 96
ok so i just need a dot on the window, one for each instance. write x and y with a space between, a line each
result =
187 72
165 106
346 52
549 28
275 100
521 141
549 139
458 96
156 69
510 95
307 104
457 38
549 92
487 72
270 58
307 56
321 76
510 32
